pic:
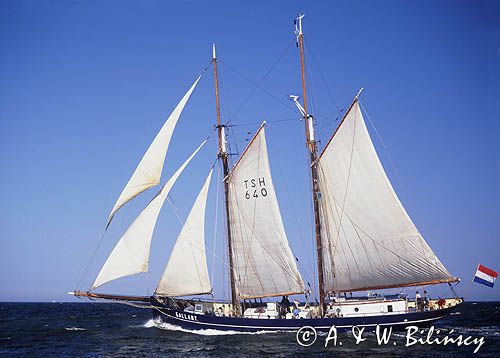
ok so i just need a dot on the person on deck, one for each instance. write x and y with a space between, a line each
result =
284 304
426 300
295 308
417 301
441 303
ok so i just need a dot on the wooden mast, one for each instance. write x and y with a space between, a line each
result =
223 155
313 150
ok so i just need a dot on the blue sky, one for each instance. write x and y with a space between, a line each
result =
87 84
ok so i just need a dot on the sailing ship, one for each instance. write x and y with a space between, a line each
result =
365 240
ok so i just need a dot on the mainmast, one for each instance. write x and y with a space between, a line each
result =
223 155
313 150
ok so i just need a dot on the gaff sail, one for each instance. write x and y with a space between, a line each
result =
264 264
368 239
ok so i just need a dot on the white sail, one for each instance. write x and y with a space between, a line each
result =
263 262
186 272
148 172
369 241
131 254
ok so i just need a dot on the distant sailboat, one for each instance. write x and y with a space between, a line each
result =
365 240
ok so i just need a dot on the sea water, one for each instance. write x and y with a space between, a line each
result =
114 330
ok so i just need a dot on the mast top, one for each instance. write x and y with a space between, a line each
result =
298 25
359 93
214 57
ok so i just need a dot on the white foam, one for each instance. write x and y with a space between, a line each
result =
149 324
203 332
75 329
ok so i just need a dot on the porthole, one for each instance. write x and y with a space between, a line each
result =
356 309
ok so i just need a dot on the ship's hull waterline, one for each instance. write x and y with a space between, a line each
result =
191 321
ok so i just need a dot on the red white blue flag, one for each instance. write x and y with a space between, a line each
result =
485 276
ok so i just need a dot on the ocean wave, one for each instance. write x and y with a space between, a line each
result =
484 331
75 329
203 332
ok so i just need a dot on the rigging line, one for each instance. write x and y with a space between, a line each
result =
233 136
268 122
206 67
373 240
294 211
285 104
313 105
225 112
323 78
174 209
348 175
84 274
126 209
341 225
262 79
114 311
385 149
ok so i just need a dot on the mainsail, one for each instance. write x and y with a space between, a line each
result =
148 172
187 272
368 239
264 264
131 253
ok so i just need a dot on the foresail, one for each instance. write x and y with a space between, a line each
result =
148 172
368 239
131 254
264 264
187 272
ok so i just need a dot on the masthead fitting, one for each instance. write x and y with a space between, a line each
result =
214 57
298 25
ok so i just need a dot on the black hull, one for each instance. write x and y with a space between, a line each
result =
190 321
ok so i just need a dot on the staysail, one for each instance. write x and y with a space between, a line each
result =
131 254
264 264
187 271
368 239
148 172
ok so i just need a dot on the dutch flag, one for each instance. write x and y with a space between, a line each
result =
485 276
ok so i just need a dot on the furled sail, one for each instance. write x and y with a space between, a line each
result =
263 262
148 172
187 272
368 239
131 254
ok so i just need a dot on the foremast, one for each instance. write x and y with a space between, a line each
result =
313 155
223 156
